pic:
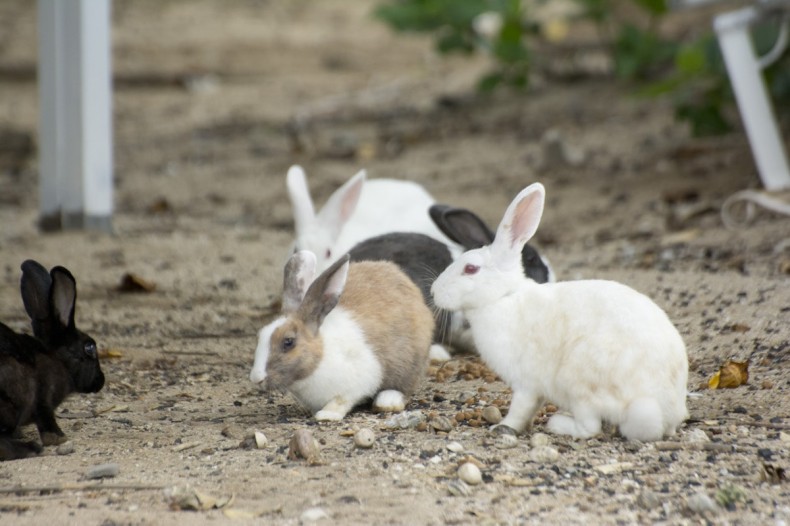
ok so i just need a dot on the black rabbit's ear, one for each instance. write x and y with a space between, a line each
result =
462 226
63 296
36 283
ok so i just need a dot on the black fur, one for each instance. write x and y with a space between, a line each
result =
468 230
421 257
38 373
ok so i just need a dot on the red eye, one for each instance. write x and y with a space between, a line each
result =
471 269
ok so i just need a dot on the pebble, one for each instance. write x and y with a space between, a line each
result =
303 445
232 431
648 500
441 423
364 438
260 440
103 471
405 420
697 436
313 515
470 473
66 448
455 447
492 414
784 437
701 503
539 439
506 441
459 488
544 454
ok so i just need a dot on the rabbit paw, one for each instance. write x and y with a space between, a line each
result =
334 411
438 353
389 401
567 425
49 438
329 416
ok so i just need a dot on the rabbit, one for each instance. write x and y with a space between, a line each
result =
38 373
596 348
358 331
468 230
422 258
356 211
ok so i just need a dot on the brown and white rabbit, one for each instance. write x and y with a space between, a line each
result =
358 331
38 373
597 349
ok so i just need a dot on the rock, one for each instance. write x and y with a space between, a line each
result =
232 431
66 448
103 471
539 439
459 488
260 440
648 500
313 515
492 414
405 420
364 438
615 467
455 447
470 473
506 441
544 454
304 446
784 437
696 436
701 503
441 423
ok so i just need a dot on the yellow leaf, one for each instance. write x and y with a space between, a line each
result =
732 374
713 383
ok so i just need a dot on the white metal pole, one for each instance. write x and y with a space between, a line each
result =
745 75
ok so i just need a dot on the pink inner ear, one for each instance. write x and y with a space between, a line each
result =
349 204
525 219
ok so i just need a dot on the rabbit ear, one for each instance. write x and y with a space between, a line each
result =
462 226
519 224
342 204
323 294
299 193
63 296
299 272
36 283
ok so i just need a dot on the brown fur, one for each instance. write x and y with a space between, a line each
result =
285 368
393 316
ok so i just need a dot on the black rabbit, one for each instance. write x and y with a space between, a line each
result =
38 373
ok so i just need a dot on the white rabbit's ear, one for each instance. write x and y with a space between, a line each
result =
323 294
298 275
519 224
342 204
299 193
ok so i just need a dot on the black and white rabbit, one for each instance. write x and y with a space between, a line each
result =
38 373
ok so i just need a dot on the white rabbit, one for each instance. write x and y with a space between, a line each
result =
595 348
356 211
359 330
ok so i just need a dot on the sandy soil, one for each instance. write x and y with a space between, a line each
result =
214 101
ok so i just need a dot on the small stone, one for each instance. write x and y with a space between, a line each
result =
441 423
470 473
232 431
701 503
784 437
697 436
506 441
544 454
767 384
260 439
539 439
492 414
459 488
66 448
455 447
614 467
405 420
364 438
303 445
103 471
648 500
313 515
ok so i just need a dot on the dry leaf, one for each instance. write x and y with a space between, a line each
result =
134 283
732 374
110 353
773 474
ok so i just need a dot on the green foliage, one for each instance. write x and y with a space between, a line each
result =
691 73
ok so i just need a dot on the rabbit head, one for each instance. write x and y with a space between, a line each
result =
290 348
319 232
49 299
482 276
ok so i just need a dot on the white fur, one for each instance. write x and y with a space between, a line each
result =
258 372
382 206
598 349
349 371
390 401
438 353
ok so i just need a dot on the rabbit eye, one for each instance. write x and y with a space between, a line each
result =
90 349
288 344
470 269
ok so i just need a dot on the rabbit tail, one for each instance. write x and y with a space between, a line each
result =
643 421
